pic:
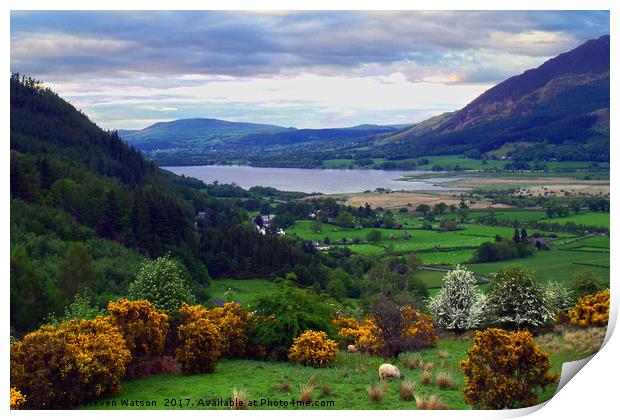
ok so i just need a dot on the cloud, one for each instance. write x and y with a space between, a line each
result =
276 65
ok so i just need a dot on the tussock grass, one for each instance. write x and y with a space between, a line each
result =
326 390
426 377
306 393
406 390
240 399
443 354
376 393
429 403
285 386
444 381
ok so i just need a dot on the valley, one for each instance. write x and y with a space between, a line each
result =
452 262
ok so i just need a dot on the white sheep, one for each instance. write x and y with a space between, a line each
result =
389 371
351 348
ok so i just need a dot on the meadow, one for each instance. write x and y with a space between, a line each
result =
587 219
341 386
459 161
242 290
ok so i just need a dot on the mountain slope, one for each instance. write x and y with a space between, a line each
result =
564 100
195 131
196 141
87 209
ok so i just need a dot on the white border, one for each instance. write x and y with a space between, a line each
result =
592 394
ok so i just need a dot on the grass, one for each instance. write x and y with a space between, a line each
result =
597 219
348 386
406 390
243 290
555 264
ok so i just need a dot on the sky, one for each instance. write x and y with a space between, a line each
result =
130 69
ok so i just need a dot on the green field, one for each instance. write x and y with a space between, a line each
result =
243 290
348 380
598 219
555 264
434 247
452 161
509 215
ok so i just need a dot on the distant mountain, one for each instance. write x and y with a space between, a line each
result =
194 132
310 135
565 100
194 140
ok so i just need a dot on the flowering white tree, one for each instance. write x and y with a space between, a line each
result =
517 300
162 283
459 305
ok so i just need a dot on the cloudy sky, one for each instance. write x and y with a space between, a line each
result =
302 69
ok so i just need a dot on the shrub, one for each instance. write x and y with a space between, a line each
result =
143 327
591 310
162 282
585 282
60 366
154 365
200 346
82 307
365 335
232 321
313 348
390 331
504 369
279 318
459 304
419 329
517 300
558 297
17 399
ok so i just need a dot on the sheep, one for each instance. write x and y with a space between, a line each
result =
386 371
351 348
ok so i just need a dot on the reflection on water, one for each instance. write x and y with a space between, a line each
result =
327 181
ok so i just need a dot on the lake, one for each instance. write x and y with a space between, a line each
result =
327 181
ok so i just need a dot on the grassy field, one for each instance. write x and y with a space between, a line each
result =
342 386
434 247
598 219
452 161
555 264
243 290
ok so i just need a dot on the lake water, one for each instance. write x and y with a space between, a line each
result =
327 181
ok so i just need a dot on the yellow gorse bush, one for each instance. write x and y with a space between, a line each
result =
143 326
231 319
60 366
504 370
364 334
591 310
419 327
17 399
200 346
313 348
